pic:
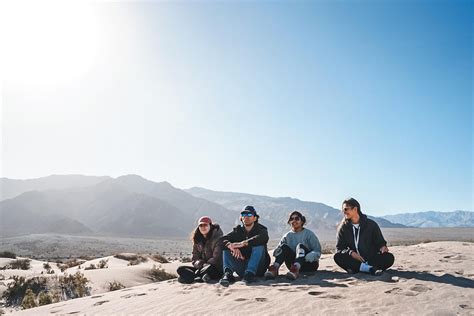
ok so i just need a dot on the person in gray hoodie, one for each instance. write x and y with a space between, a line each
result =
299 249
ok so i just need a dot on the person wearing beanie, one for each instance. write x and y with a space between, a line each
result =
245 249
360 244
207 254
299 249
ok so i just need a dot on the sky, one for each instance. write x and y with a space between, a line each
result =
317 100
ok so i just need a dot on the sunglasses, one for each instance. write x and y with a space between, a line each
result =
345 209
294 218
246 214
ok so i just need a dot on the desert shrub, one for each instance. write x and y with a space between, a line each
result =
44 298
2 277
74 285
46 266
103 264
91 267
115 285
17 289
159 258
19 264
28 300
69 264
185 259
157 274
7 254
133 259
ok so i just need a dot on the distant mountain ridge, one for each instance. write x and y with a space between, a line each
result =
434 219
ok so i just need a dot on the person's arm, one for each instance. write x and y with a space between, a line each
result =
229 238
196 259
314 246
261 239
378 239
341 244
216 252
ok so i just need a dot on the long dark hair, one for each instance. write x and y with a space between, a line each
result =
352 203
197 237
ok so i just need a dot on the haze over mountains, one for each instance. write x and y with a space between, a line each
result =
133 206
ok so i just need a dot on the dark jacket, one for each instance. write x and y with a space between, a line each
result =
209 250
239 234
370 238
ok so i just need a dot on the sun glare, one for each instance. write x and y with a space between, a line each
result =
47 42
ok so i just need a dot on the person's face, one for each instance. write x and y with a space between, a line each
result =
247 218
296 222
204 228
348 211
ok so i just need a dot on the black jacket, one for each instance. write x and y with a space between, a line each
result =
209 250
239 234
370 238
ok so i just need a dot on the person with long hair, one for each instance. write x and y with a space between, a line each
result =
207 254
360 244
299 249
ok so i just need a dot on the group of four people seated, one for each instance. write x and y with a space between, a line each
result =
360 247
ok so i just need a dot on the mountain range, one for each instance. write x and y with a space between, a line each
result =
134 206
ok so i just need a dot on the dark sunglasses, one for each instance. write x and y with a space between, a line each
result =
246 214
295 218
345 209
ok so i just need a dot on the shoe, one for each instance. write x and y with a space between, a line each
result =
227 279
206 278
294 272
198 279
271 273
249 277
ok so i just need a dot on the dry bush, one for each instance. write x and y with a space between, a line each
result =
91 267
74 285
7 254
44 298
132 258
157 274
159 258
18 264
17 289
28 300
115 285
69 264
103 264
185 259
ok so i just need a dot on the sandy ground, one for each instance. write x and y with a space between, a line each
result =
426 279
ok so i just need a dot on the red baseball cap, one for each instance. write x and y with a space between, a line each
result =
205 220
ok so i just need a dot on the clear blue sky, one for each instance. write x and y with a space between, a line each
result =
315 100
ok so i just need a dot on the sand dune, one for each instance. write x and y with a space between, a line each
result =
433 278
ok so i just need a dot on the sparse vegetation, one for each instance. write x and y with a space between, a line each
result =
133 259
18 264
7 254
44 298
157 274
103 264
115 285
28 300
16 290
74 285
69 264
159 258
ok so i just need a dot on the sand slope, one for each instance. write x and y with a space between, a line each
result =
434 278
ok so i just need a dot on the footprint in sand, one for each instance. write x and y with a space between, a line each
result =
315 293
240 299
97 296
55 312
394 290
335 297
77 312
141 294
287 290
465 306
261 299
100 303
420 288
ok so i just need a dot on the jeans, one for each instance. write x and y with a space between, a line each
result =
256 264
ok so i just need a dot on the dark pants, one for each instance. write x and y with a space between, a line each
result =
187 273
289 256
379 261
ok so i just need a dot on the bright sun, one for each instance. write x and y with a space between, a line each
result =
47 42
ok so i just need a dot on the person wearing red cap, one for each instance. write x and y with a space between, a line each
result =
207 254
